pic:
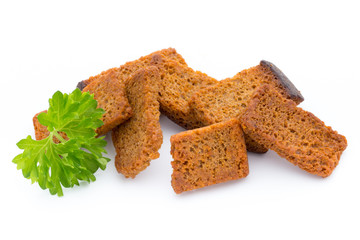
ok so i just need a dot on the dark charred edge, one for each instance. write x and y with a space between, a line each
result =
294 93
81 85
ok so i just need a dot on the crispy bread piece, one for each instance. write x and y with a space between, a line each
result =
125 71
138 140
111 97
208 155
228 98
295 134
177 84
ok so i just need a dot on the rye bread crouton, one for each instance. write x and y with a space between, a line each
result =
295 134
126 70
208 155
177 83
111 96
138 140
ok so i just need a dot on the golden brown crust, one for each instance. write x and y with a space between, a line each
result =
111 96
125 71
138 140
208 155
295 134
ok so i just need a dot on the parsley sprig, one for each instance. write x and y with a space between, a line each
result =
75 158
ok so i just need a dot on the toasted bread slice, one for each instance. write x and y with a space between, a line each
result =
208 155
228 98
295 134
176 85
125 71
138 140
111 97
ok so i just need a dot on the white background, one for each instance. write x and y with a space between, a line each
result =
47 46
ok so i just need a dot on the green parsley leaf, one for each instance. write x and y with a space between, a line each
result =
53 165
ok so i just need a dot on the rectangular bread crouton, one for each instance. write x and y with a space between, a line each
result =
110 95
177 83
125 71
295 134
138 140
228 98
208 155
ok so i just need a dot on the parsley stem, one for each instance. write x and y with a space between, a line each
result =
59 137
